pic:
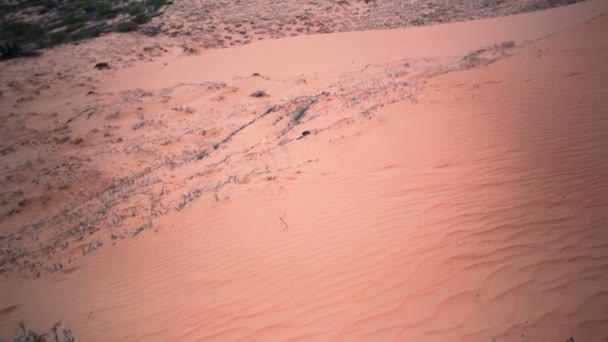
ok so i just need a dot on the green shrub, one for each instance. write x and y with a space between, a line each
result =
134 9
86 33
28 3
75 26
73 19
9 49
141 18
7 9
105 9
85 5
126 26
20 29
57 37
68 20
49 4
158 3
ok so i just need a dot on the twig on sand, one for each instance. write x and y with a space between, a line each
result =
284 223
79 114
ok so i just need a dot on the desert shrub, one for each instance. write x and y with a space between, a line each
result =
75 26
158 3
141 18
67 20
126 26
507 45
85 5
57 37
105 9
7 9
89 32
73 19
9 49
49 4
27 3
299 114
21 29
28 335
135 9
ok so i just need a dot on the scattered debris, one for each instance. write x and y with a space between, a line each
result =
138 125
188 110
93 246
27 335
56 267
142 228
189 197
299 114
201 155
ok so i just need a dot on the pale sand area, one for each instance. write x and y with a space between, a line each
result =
438 196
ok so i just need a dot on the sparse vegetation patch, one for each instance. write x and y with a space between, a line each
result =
27 26
55 333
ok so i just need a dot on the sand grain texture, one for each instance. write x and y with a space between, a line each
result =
445 193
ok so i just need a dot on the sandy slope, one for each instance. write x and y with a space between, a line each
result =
439 197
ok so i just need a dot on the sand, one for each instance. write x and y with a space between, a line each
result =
452 186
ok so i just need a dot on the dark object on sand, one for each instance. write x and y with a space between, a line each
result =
305 133
258 93
102 66
255 74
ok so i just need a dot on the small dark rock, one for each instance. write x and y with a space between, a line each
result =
22 203
305 133
102 66
255 74
258 93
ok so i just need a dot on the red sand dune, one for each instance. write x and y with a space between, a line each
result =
440 196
